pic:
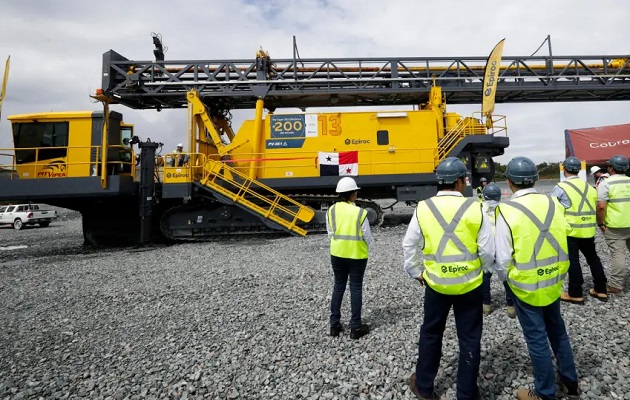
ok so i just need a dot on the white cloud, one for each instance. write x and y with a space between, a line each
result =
56 49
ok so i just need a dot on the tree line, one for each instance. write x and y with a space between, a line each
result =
545 170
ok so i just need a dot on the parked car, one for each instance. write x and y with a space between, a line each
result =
19 215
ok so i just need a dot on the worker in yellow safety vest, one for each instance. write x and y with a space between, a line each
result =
178 158
580 199
350 240
483 182
613 218
448 245
532 254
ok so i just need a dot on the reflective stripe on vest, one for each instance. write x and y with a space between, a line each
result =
537 281
618 204
455 268
581 215
346 222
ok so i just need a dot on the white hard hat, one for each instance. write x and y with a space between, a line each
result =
180 145
346 184
594 169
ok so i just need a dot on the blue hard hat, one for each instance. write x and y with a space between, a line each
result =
619 163
572 164
521 170
492 192
450 170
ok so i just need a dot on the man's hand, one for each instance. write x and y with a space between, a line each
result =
421 280
602 228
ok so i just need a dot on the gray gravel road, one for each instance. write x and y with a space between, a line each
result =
249 319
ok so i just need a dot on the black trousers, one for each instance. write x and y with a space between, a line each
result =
468 310
345 268
576 280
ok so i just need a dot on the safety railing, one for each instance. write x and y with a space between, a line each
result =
495 125
67 161
255 196
7 168
288 164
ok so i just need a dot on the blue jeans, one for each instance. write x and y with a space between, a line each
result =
544 326
345 268
487 299
468 312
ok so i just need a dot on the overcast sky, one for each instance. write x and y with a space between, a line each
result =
56 49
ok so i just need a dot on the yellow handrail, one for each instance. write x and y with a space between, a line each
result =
237 186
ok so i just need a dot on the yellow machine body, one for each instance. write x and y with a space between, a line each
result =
68 144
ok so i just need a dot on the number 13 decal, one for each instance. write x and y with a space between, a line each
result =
329 124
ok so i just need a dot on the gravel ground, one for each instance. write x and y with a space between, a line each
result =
249 319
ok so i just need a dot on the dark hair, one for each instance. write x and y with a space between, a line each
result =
521 186
450 186
346 196
616 170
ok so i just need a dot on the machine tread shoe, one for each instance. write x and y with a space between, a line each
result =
358 333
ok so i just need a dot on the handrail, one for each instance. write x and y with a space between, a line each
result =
220 177
495 125
69 159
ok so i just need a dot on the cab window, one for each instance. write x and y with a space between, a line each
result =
51 138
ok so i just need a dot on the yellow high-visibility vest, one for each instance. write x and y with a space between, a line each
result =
618 205
345 220
581 215
450 225
540 259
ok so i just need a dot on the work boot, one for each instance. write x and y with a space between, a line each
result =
613 290
487 309
570 390
414 390
358 333
511 312
573 300
527 394
336 329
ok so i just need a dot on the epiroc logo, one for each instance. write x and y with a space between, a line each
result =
454 268
493 68
547 271
356 141
54 169
176 175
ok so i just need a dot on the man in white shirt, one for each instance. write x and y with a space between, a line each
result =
448 245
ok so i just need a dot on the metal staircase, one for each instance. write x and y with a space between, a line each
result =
232 187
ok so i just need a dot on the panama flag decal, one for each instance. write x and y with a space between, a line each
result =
345 163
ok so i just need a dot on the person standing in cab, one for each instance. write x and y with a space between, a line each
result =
532 253
448 245
178 158
350 240
613 219
491 199
580 200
